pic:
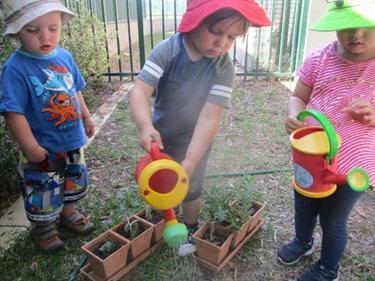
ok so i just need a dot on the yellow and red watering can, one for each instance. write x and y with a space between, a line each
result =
163 184
314 151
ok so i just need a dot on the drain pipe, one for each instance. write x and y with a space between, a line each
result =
240 174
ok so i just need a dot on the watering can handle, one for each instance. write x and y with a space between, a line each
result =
155 151
331 134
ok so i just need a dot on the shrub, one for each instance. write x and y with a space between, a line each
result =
6 47
8 148
8 166
229 204
85 38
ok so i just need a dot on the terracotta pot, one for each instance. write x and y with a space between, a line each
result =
158 222
258 210
208 251
105 268
140 243
239 235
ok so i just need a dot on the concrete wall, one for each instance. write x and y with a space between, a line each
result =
314 39
317 39
123 35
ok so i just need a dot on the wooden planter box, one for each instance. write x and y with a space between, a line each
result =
208 251
105 268
142 242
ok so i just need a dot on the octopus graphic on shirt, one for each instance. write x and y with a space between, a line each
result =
60 105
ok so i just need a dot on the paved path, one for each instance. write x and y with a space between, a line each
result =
14 220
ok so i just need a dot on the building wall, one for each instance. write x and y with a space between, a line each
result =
317 39
123 35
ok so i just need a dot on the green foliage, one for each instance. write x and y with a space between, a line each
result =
229 204
241 207
8 150
8 165
132 228
107 248
6 47
216 199
85 38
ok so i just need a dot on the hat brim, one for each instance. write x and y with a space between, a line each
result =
341 19
15 25
193 16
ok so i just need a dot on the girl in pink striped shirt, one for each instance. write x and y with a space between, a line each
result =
338 81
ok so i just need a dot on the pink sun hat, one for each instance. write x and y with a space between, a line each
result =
198 10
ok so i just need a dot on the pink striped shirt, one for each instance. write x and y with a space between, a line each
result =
335 82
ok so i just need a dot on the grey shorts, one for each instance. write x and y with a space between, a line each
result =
178 152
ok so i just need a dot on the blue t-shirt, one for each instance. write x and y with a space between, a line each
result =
182 87
43 89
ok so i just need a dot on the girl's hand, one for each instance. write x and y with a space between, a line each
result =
362 110
292 124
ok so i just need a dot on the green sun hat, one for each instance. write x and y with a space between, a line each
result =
347 14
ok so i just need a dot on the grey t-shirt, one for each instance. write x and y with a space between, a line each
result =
182 87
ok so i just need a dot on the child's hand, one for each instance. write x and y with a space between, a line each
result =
89 125
361 110
149 134
292 124
38 155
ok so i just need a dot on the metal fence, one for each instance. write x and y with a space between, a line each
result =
136 26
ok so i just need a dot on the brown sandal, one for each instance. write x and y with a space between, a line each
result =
77 223
46 237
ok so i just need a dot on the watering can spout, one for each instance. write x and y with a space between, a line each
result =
357 179
330 177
